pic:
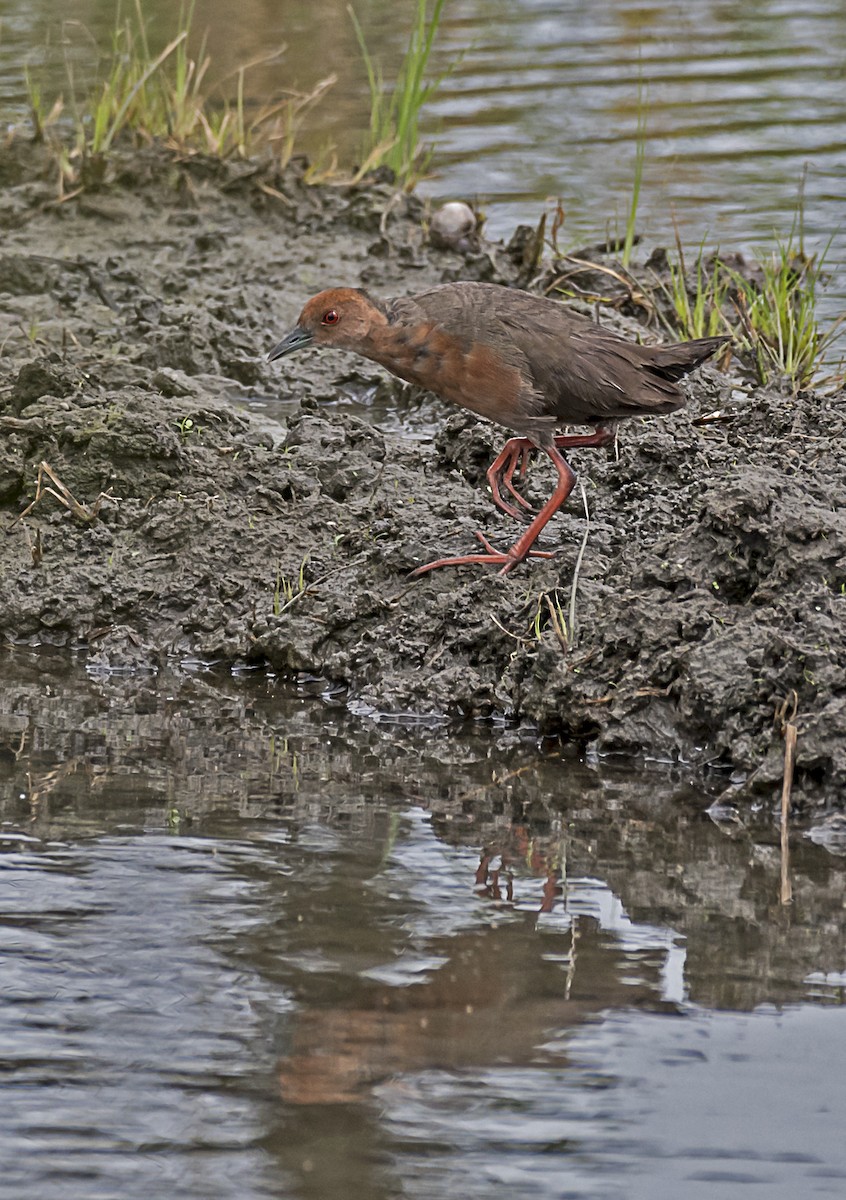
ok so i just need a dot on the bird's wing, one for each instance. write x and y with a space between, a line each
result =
584 371
573 370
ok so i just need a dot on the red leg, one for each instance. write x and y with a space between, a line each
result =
521 460
515 453
600 437
491 549
502 468
522 548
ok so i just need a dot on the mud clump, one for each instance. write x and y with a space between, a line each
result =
213 507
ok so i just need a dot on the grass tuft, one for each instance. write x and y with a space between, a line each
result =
163 98
285 590
697 299
770 309
778 314
394 139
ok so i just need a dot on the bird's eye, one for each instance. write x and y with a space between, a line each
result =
331 317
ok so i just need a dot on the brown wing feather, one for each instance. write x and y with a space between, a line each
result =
544 364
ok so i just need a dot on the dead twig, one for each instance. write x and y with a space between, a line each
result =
556 625
652 691
309 590
388 209
579 557
710 418
633 291
638 694
36 547
785 715
524 641
277 195
63 494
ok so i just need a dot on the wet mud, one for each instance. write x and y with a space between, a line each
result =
199 504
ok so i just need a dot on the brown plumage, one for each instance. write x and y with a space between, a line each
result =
526 362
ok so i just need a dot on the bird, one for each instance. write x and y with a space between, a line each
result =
523 361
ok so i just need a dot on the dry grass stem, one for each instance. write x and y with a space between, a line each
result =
786 714
556 625
63 494
577 569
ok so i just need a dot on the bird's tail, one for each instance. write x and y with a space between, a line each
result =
674 362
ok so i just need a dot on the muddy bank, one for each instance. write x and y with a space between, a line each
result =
257 513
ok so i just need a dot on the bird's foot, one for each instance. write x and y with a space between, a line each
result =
526 514
513 457
493 557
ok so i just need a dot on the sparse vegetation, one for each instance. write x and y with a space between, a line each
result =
549 613
394 138
287 590
770 308
778 316
164 98
698 300
772 313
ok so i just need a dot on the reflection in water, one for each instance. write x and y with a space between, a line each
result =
255 948
495 999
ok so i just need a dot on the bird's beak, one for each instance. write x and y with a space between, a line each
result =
295 340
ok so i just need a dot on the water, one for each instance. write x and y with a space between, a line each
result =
253 947
741 100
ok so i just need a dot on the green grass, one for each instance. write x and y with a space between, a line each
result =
285 590
549 605
772 316
163 98
771 311
550 614
699 299
778 317
394 139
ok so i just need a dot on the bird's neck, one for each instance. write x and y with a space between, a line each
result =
395 347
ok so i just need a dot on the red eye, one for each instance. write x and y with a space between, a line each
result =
331 317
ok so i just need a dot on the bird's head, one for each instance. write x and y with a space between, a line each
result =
340 317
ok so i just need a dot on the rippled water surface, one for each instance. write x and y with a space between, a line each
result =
252 947
741 98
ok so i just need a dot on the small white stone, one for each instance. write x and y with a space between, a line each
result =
452 222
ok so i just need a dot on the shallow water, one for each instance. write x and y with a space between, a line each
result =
254 947
741 100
